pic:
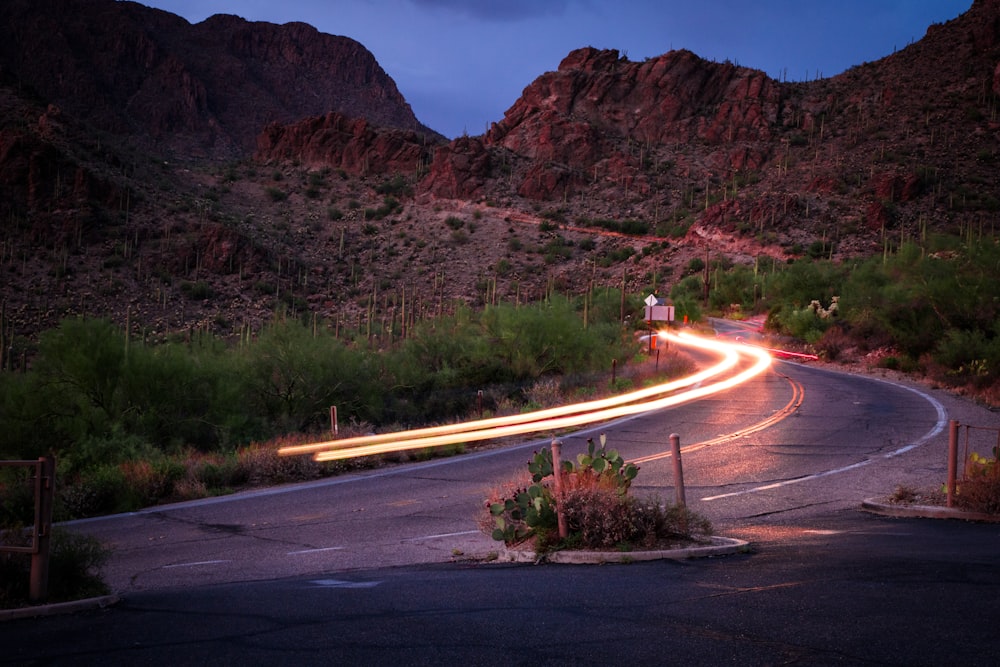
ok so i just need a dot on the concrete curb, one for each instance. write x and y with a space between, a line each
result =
925 511
59 608
719 546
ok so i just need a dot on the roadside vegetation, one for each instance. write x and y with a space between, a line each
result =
931 308
75 563
133 425
598 511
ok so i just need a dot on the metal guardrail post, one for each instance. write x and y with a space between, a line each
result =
45 486
952 461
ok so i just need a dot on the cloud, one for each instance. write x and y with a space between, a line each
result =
492 10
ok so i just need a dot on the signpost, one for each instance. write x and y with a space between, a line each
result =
655 311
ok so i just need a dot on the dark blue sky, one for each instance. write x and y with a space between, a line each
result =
462 63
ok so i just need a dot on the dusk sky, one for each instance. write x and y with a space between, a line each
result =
462 63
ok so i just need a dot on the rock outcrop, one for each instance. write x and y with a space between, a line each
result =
351 144
204 90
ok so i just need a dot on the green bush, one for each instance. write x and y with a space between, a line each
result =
979 491
598 511
75 563
291 377
197 291
396 186
75 566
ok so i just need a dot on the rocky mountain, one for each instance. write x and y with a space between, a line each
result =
189 91
728 152
166 175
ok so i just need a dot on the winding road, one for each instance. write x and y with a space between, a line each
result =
791 439
384 567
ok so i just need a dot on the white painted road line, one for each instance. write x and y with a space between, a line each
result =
195 564
434 537
313 551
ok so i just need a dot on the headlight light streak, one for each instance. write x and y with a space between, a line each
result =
730 359
554 418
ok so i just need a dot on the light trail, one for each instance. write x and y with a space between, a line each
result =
729 359
798 392
554 418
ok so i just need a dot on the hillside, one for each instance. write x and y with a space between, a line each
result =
139 183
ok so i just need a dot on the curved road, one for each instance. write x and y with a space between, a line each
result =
766 452
372 568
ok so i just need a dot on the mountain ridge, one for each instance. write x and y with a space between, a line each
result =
342 218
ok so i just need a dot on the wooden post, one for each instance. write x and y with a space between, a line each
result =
675 453
557 473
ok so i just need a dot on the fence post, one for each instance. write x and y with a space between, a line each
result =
557 474
45 486
952 460
675 453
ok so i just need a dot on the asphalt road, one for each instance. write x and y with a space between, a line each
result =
380 567
855 590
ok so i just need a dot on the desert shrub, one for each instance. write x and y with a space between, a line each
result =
197 291
979 491
687 308
75 563
260 464
695 266
614 256
599 517
389 206
802 323
143 484
621 385
91 452
96 491
396 186
969 357
737 285
596 505
221 475
657 522
291 376
542 393
833 342
799 283
549 339
17 498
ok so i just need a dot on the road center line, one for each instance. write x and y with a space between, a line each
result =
942 421
798 392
